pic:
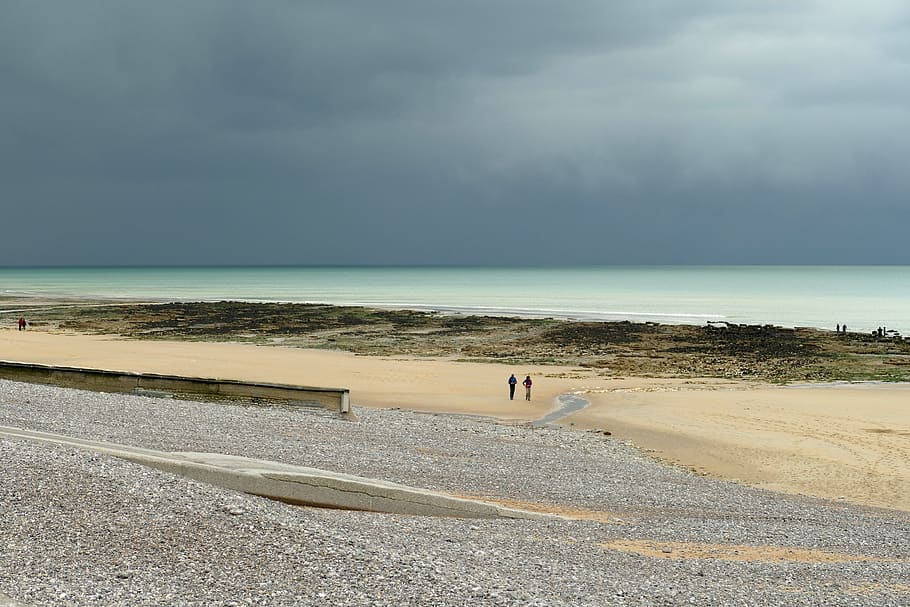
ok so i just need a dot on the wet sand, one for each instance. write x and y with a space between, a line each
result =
839 442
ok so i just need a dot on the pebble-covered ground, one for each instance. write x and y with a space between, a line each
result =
85 529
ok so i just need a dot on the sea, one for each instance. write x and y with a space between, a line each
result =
863 298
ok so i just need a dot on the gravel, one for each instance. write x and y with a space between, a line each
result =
86 529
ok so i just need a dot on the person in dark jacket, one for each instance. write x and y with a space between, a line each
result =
527 384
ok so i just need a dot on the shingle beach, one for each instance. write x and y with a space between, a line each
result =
86 529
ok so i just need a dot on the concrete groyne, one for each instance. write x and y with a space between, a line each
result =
99 380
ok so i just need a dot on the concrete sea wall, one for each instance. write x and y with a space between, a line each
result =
98 380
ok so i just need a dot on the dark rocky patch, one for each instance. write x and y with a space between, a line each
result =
625 348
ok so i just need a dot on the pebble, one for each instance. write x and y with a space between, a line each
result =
96 530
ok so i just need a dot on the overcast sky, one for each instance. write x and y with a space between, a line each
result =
461 132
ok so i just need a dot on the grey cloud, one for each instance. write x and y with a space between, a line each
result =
452 131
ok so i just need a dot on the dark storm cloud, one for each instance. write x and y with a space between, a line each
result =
447 132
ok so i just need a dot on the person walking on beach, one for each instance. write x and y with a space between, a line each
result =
512 381
527 384
21 324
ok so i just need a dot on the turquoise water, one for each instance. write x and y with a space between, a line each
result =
819 296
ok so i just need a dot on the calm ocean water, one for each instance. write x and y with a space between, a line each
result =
863 297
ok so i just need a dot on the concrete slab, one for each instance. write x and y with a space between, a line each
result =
292 484
102 380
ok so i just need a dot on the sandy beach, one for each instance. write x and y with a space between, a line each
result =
846 442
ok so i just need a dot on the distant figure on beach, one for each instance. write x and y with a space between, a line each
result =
512 381
22 324
527 384
838 327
